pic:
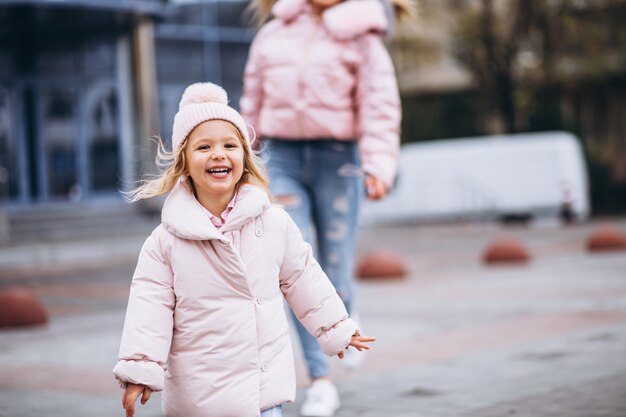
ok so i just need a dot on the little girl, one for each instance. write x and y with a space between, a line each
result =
205 321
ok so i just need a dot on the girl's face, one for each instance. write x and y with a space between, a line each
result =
215 159
324 4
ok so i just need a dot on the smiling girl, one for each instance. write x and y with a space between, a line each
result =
205 321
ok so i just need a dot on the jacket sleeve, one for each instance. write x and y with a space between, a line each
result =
379 111
311 295
148 327
252 97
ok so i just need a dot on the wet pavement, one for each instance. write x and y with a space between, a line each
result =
455 337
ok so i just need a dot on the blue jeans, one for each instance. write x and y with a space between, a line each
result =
320 184
273 412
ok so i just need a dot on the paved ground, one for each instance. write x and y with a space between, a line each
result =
456 338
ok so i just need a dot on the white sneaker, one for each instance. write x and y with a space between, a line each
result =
322 400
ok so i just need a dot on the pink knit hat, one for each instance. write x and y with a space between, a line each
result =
202 102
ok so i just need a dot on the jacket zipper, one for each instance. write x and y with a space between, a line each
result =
302 67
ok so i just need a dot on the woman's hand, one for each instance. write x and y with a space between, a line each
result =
358 342
376 189
131 393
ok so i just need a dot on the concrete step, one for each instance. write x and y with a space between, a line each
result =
80 221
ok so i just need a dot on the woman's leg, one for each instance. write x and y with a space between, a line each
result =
284 166
287 171
337 198
273 412
337 192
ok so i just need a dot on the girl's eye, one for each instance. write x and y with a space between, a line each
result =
203 147
231 145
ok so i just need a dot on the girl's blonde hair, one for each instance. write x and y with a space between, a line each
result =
259 11
173 166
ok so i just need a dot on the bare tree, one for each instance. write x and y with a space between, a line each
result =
489 38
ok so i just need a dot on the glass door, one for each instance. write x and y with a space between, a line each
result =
9 184
103 137
58 141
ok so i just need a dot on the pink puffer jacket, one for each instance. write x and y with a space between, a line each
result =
330 79
205 319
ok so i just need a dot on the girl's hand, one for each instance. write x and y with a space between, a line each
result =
376 189
131 393
359 342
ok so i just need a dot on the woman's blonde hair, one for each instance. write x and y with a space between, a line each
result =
405 10
259 11
173 166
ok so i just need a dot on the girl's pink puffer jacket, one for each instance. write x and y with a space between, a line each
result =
205 316
331 79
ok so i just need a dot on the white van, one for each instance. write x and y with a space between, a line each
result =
507 177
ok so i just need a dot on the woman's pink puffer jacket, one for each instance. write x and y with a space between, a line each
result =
205 318
328 79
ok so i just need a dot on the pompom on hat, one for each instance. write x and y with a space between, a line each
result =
200 103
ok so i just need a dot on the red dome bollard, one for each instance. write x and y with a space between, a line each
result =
506 251
19 307
606 238
381 266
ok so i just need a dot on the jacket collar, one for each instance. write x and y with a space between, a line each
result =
346 20
183 216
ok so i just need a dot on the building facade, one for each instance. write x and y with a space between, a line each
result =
84 84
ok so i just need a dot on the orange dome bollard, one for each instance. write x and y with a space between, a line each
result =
381 266
606 238
19 307
506 251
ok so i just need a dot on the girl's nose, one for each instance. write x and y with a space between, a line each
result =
218 153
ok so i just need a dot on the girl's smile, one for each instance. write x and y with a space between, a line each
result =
219 172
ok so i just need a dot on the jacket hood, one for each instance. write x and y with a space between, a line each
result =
183 216
345 20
